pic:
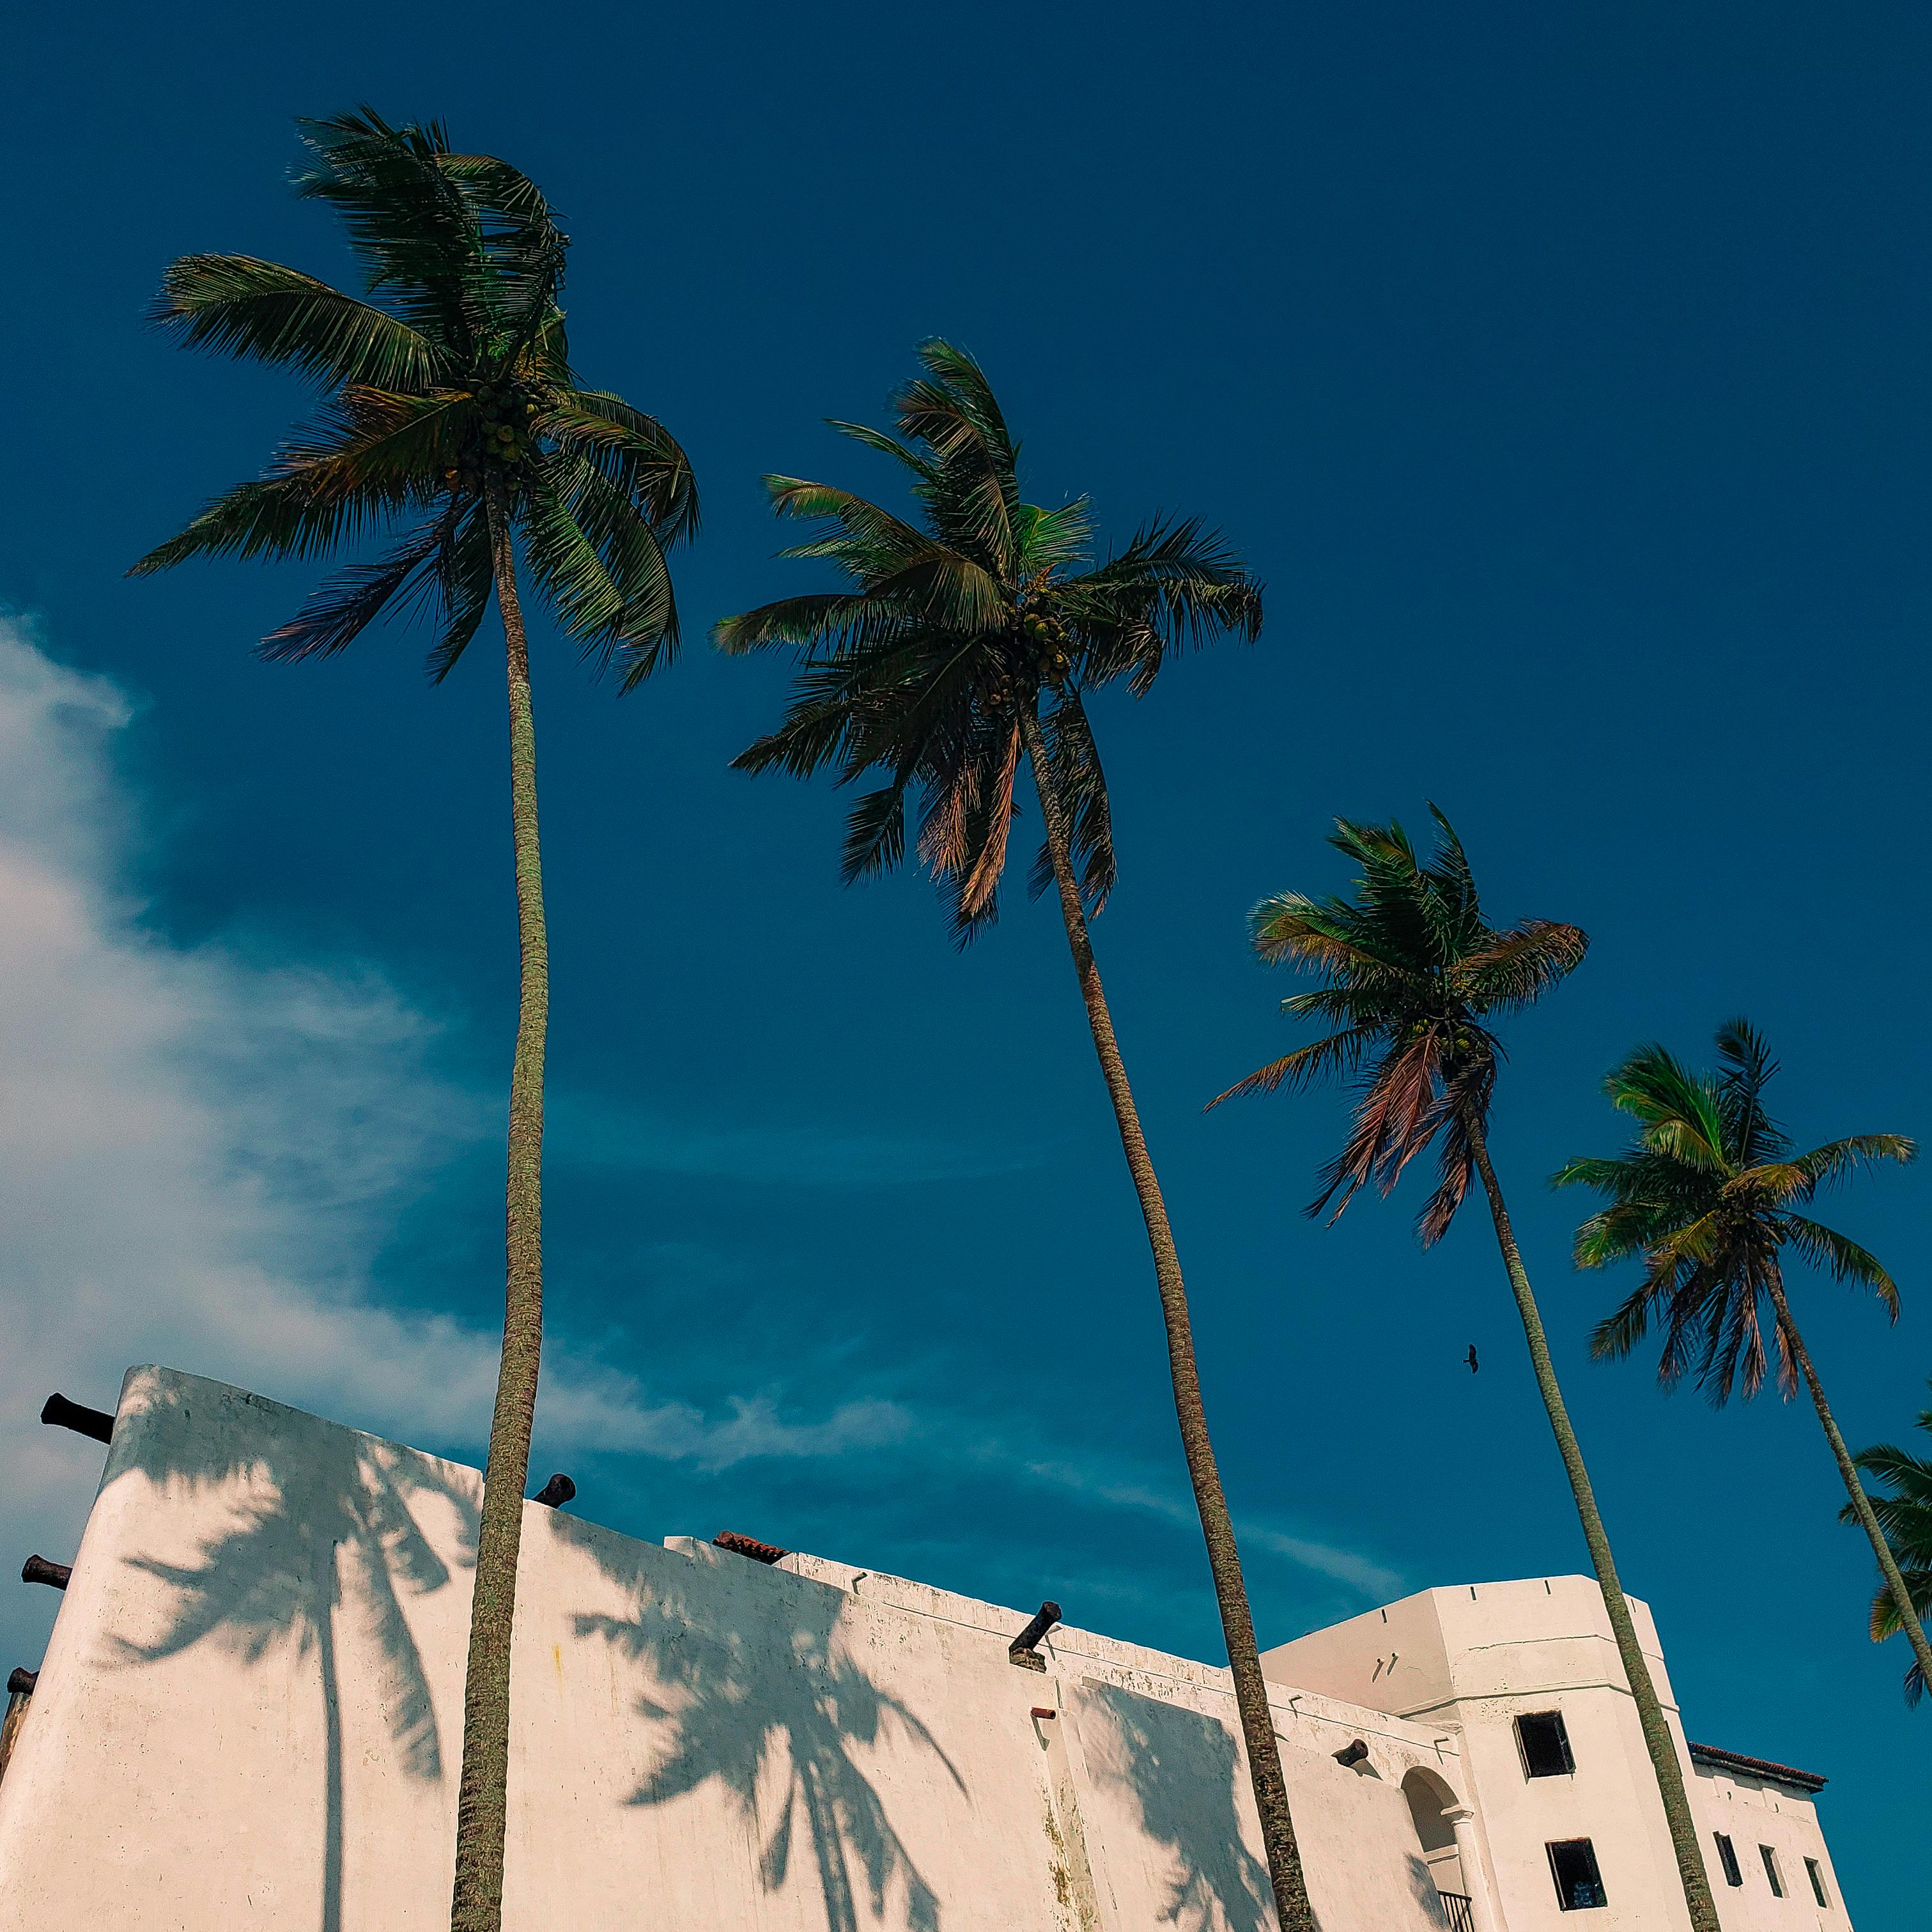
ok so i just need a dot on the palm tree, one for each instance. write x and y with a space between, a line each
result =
1706 1197
967 642
450 400
1906 1517
1412 973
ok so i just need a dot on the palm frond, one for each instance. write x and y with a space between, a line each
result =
1679 1112
1826 1248
633 450
852 620
417 235
1462 1104
1509 970
886 446
276 516
259 311
954 413
335 615
467 569
1837 1161
1341 1054
875 832
1176 586
1074 772
641 626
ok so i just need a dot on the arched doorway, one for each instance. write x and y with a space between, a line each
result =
1428 1797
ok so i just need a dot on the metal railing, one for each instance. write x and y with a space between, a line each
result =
1457 1912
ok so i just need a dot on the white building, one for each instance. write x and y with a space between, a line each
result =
249 1715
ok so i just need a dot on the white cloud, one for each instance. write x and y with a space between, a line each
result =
202 1148
1146 1494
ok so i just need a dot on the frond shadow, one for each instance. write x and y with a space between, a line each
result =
745 1707
1180 1770
329 1530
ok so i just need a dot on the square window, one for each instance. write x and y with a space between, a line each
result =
1727 1856
1545 1744
1817 1879
1772 1871
1573 1865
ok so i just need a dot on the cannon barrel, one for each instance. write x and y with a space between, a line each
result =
59 1413
1023 1650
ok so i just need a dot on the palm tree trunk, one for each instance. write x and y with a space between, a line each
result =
1887 1563
1270 1786
331 1755
482 1803
1657 1738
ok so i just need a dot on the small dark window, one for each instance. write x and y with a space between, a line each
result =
1727 1857
1771 1872
1817 1879
1572 1864
1545 1745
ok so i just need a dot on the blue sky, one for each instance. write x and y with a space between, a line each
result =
1562 372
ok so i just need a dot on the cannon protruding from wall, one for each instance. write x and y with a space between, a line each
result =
58 1413
1024 1648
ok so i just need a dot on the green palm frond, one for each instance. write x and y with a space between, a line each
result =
1846 1261
841 619
1411 971
634 452
1904 1513
468 577
1054 540
886 446
953 410
448 387
1504 972
260 311
1340 1054
1075 775
273 517
1175 587
1839 1160
1680 1114
960 625
338 612
1703 1198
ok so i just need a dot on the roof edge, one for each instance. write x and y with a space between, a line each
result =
1761 1767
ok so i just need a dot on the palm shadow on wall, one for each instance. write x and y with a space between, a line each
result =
749 1707
1180 1769
335 1536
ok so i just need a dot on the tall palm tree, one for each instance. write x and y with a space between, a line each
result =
1906 1517
1412 973
450 401
966 643
1706 1196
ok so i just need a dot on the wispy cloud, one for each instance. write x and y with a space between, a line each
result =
203 1148
1104 1481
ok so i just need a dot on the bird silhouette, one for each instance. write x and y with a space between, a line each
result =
1470 1359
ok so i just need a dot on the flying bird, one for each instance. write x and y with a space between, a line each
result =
1470 1359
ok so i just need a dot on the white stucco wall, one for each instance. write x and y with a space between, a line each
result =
1753 1812
249 1714
1472 1659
